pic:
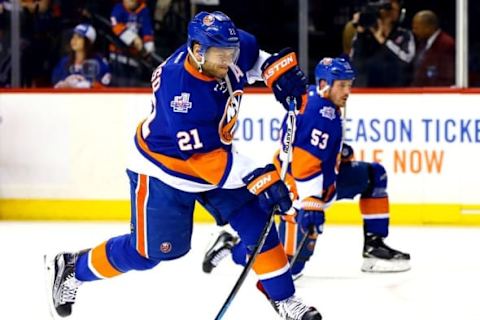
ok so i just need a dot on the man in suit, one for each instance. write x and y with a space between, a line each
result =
434 61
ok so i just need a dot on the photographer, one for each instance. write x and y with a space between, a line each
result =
382 52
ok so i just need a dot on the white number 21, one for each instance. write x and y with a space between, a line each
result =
319 138
185 140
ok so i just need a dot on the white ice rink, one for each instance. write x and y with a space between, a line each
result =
444 282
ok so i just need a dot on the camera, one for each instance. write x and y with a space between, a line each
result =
371 12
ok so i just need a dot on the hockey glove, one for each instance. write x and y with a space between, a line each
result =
347 153
311 214
283 75
270 189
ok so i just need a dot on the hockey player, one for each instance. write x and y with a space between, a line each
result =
320 175
183 153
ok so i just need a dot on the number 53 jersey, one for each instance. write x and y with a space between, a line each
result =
186 141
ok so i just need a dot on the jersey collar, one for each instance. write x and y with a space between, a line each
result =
195 73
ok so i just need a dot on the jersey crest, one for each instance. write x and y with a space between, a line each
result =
227 124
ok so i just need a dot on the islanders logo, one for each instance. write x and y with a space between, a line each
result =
208 20
226 127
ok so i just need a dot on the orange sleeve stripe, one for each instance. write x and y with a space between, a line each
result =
100 262
140 214
279 67
374 205
147 38
119 28
271 260
210 166
140 8
304 164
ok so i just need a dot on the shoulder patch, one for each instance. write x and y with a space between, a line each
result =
328 112
181 103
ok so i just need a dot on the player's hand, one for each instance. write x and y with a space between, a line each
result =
271 191
311 215
283 75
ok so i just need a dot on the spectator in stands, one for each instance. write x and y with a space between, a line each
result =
434 61
132 23
82 68
382 52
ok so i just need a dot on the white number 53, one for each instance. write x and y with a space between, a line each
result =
189 140
319 139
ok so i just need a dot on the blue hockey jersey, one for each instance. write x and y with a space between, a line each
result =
316 149
187 140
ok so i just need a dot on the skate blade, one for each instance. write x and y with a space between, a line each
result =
49 265
385 266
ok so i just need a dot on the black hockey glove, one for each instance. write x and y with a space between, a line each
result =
283 75
270 189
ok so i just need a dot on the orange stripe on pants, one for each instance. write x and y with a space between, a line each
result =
100 262
374 205
270 261
142 190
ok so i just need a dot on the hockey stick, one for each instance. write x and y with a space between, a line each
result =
286 152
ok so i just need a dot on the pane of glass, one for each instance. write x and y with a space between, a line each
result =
474 43
377 35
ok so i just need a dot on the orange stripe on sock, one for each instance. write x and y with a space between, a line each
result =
100 262
271 260
140 214
374 205
291 237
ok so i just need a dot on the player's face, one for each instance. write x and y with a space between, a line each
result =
340 91
77 43
217 61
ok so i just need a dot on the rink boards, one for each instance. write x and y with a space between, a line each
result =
63 155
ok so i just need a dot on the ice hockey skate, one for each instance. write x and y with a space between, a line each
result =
61 283
378 257
221 247
294 309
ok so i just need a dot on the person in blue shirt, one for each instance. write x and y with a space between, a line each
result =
82 67
183 152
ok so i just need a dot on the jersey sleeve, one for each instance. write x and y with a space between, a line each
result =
251 57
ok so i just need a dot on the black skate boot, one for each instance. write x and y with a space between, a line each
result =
378 257
294 309
221 248
61 283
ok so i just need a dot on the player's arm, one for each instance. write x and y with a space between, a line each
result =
313 168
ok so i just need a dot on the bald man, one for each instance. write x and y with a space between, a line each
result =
434 61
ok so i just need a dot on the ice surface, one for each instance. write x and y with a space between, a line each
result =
443 284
